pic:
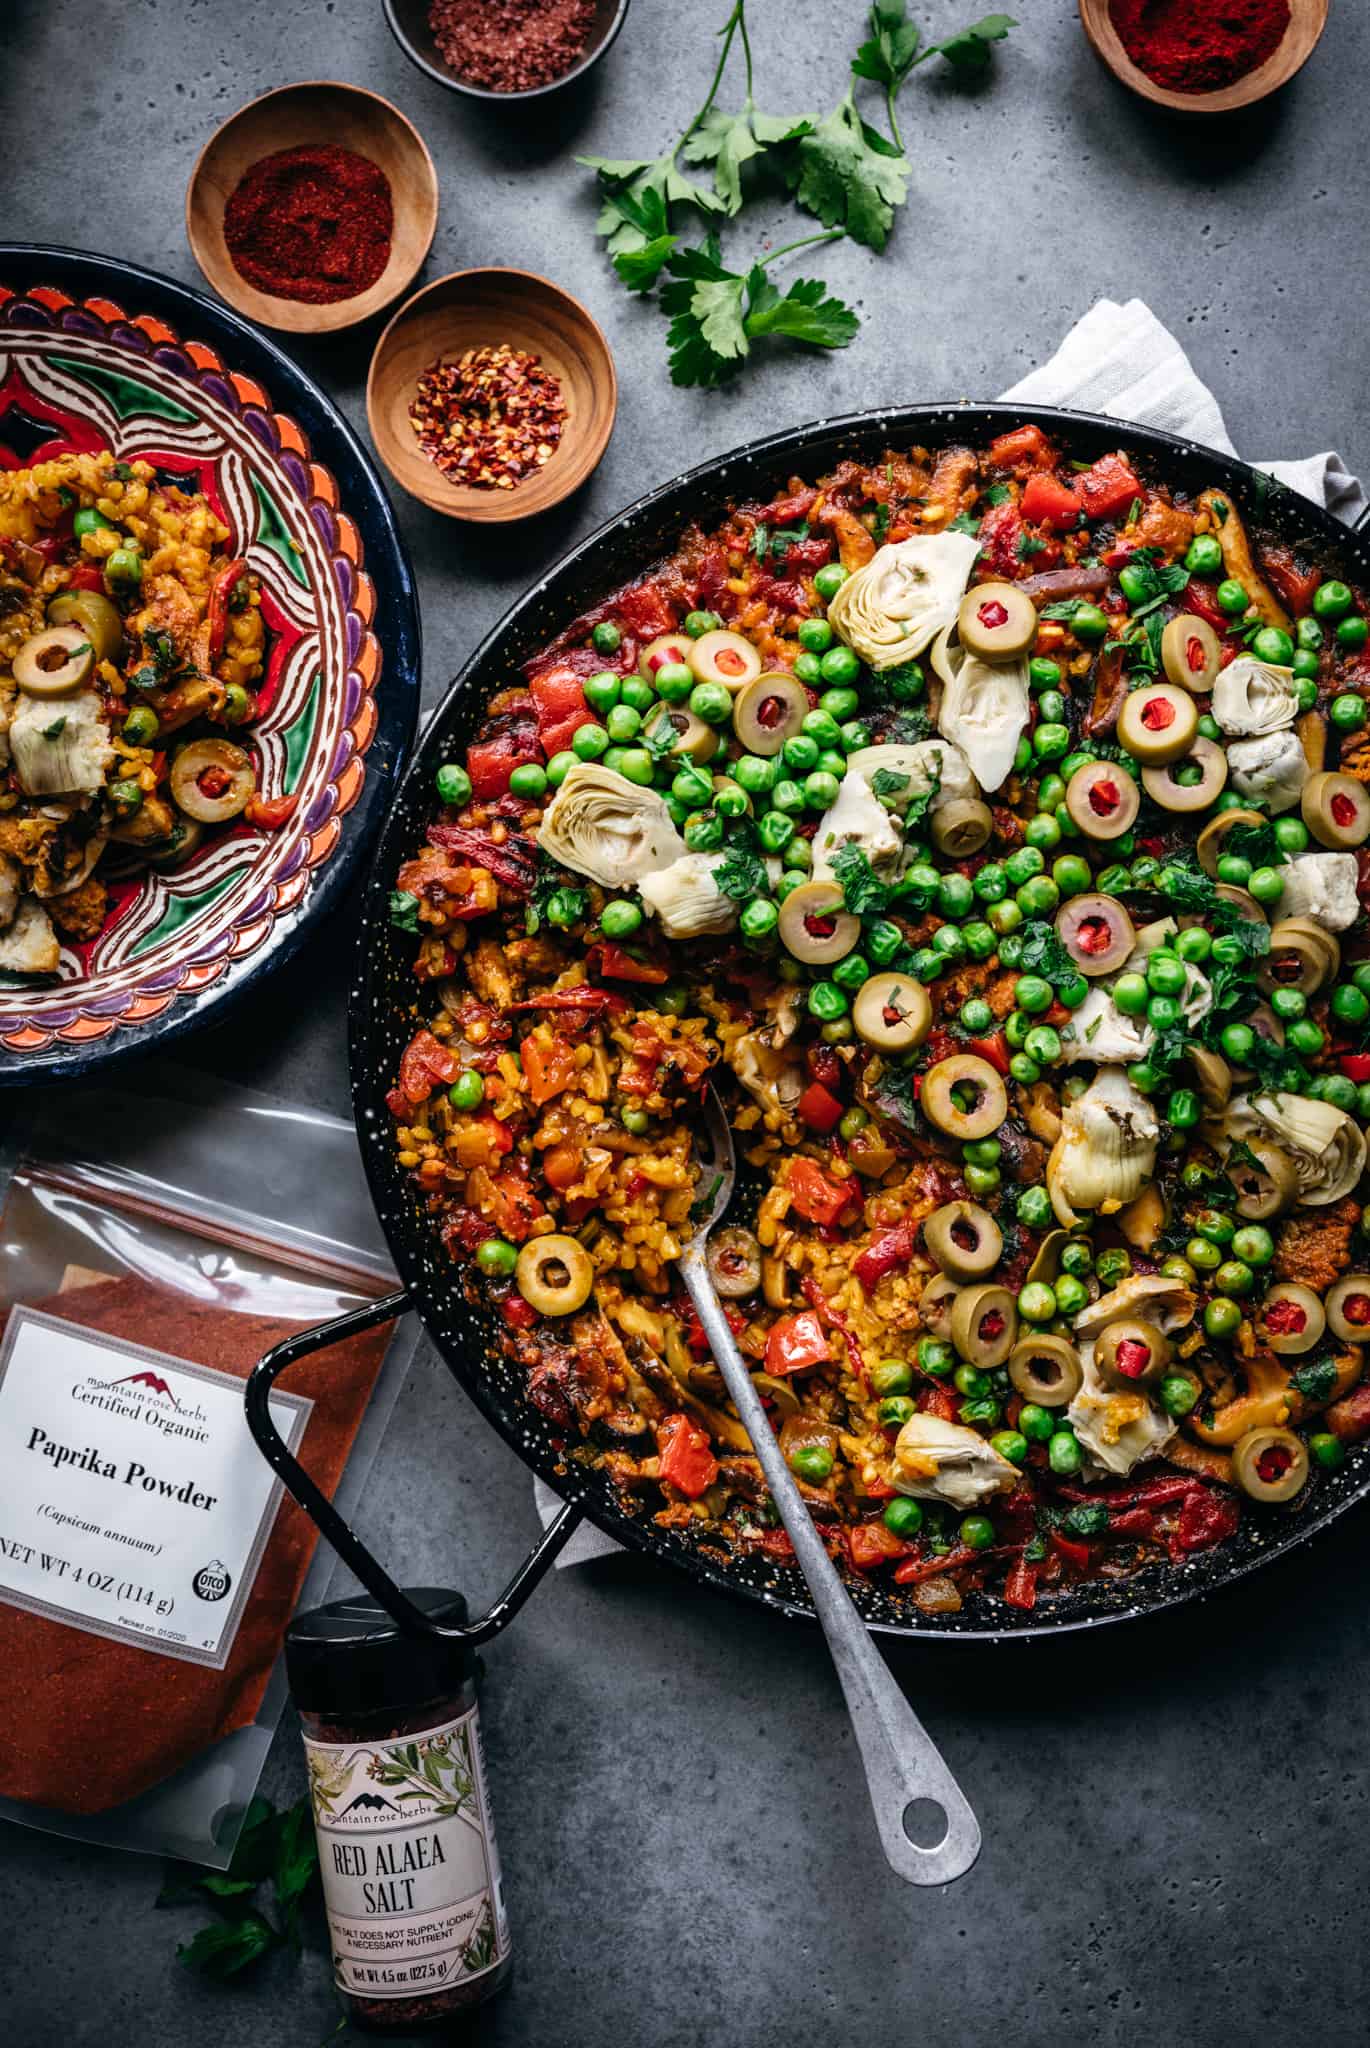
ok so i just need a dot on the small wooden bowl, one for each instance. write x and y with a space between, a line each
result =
1307 20
466 310
408 21
320 111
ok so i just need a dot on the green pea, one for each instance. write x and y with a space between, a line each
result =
1017 1027
905 683
852 972
1305 684
704 832
588 742
1023 864
496 1257
812 1462
1112 880
638 693
1051 707
1332 600
1253 1244
1043 673
1051 791
839 704
528 780
1304 1036
1042 832
976 1532
1039 897
1072 875
1291 835
1022 756
1234 1276
606 638
712 702
827 1001
730 799
977 1018
453 784
903 1517
1050 741
1341 1091
1033 994
1178 1394
692 785
565 908
754 773
1005 919
619 918
1288 1003
1349 1005
638 765
839 665
697 624
1071 1294
1010 1444
883 940
947 941
126 795
1236 1040
935 1356
142 725
1234 869
982 1180
981 940
955 895
1231 597
467 1091
1209 728
895 1410
1135 582
1145 872
820 790
1183 1109
1043 1044
990 884
855 736
890 1376
1352 634
759 918
820 725
1145 1078
1088 623
1033 1208
1064 1454
1274 645
1113 1266
675 682
635 1121
560 766
800 753
829 580
602 691
1036 1302
1204 556
1347 712
816 635
1326 1450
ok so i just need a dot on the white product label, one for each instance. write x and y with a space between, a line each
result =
134 1503
411 1876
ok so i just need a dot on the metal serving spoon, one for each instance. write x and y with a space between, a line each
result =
902 1762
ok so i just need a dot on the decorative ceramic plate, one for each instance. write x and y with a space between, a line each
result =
97 355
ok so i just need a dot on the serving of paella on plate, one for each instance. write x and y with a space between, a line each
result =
987 828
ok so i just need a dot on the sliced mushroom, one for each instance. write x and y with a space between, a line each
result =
984 1325
734 1261
1348 1308
814 925
1270 1464
555 1275
1158 723
964 1239
1097 933
996 622
1291 1319
768 712
1046 1369
986 1103
1132 1353
1336 810
1190 652
961 827
1162 787
891 1011
1103 800
724 657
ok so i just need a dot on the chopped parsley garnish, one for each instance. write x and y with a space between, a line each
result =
1064 609
1090 1518
885 782
741 874
778 544
404 911
963 523
548 883
998 494
58 727
862 889
1029 544
1315 1380
1044 955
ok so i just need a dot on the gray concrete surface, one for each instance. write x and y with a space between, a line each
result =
1174 1818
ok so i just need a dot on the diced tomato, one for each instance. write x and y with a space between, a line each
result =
1001 529
1108 488
617 965
1046 499
559 700
871 1544
1201 599
646 611
85 576
795 1343
686 1457
1023 444
993 1049
424 1064
549 1066
498 1132
815 1197
884 1254
1020 1587
490 763
819 1109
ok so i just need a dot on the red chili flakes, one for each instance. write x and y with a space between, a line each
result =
489 419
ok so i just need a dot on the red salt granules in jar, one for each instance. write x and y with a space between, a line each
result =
312 223
511 45
1190 48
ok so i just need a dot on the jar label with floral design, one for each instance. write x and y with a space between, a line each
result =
411 1875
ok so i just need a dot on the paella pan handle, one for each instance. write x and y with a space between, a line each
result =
330 1523
1362 524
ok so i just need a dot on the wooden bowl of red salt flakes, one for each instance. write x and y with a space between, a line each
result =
491 395
313 207
1198 58
505 49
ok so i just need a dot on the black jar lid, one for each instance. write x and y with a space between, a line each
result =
350 1657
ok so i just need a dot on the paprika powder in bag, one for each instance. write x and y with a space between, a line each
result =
149 1559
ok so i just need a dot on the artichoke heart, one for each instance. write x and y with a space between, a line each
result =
1326 1145
1106 1152
61 748
601 825
1099 1031
890 609
984 709
1156 1298
29 945
858 818
936 1460
686 897
932 768
1322 886
1116 1429
1272 768
1253 697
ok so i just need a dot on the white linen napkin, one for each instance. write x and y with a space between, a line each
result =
1117 360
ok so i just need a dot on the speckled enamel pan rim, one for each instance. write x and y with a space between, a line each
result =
381 1007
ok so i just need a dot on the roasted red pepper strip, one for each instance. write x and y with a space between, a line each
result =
814 1196
1047 501
511 860
617 965
994 1049
1024 444
819 1302
893 1248
871 1544
686 1458
795 1343
819 1108
915 1569
1356 1066
1206 1519
424 1063
1020 1587
588 1001
1069 1551
1201 599
220 603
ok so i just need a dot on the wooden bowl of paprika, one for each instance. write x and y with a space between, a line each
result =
1199 60
491 395
313 207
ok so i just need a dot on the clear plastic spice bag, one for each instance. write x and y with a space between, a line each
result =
153 1249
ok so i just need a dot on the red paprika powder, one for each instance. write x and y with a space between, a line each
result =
312 223
1190 47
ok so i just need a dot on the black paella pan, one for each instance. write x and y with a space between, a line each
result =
382 1023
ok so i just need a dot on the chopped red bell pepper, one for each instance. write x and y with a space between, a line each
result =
559 700
892 1249
618 965
646 611
1020 1587
1356 1066
221 602
1049 502
686 1458
1201 598
1108 488
1206 1519
1022 444
815 1197
914 1570
587 1001
796 1343
819 1108
490 762
270 812
1069 1551
549 1066
871 1544
1133 1522
939 1401
86 576
819 1302
994 1049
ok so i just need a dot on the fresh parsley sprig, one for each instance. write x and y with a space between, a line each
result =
716 313
276 1851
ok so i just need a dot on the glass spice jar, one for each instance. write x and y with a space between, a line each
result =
411 1875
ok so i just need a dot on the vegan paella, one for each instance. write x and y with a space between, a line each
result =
131 645
990 829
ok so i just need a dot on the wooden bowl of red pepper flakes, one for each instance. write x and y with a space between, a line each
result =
498 376
340 191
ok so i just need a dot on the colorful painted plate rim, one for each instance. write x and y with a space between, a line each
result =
335 446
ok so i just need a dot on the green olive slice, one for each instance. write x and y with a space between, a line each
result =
724 657
1132 1353
1336 808
1190 652
996 621
769 712
733 1257
211 780
97 618
935 1305
1162 787
694 740
964 1074
964 1239
1158 722
891 1011
1348 1308
961 826
1102 799
1291 1319
1270 1464
1046 1369
1302 956
984 1325
668 650
1214 1077
1242 901
1097 933
555 1275
1212 838
814 926
54 662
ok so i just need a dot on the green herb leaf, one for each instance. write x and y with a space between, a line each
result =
716 314
1028 544
56 729
637 195
850 176
404 911
728 141
296 1867
1044 955
888 57
1090 1518
1316 1380
885 782
963 523
741 874
880 525
804 314
1065 608
998 494
226 1947
969 52
862 889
